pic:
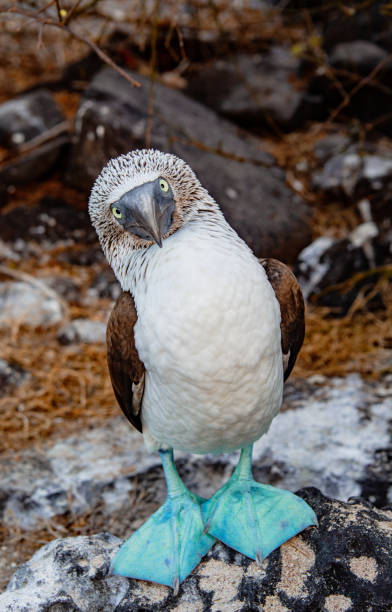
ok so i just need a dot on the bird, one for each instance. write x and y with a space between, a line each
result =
199 344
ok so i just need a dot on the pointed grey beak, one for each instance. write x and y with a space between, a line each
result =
146 211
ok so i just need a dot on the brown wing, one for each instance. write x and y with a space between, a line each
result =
292 310
125 368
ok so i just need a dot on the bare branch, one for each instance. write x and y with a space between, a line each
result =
362 83
72 12
104 57
58 8
62 26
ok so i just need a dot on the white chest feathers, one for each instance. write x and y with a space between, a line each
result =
208 333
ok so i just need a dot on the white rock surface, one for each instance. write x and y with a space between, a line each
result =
328 441
28 304
311 268
345 559
83 330
64 574
11 375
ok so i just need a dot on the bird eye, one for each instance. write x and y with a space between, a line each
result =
117 212
164 185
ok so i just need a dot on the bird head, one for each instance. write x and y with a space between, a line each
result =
142 198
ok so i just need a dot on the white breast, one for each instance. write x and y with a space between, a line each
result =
208 333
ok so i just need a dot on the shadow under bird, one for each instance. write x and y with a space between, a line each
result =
199 344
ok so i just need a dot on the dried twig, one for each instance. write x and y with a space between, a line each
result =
46 21
50 134
367 80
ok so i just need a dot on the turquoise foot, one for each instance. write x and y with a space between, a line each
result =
171 542
168 546
254 518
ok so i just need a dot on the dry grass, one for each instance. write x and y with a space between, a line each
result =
68 386
359 342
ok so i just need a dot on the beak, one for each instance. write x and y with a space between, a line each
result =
147 213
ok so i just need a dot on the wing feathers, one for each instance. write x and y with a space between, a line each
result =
125 368
292 309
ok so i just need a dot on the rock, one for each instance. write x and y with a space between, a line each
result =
331 437
362 174
256 90
358 56
334 144
354 173
311 267
7 253
33 131
328 261
34 164
340 173
371 102
82 256
112 119
27 117
64 286
11 375
369 23
339 431
325 264
343 564
69 574
34 305
77 473
51 222
82 330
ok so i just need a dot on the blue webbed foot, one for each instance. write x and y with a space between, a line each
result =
171 542
254 518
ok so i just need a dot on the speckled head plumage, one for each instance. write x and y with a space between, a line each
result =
127 172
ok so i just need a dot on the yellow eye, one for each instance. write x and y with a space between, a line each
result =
164 185
117 213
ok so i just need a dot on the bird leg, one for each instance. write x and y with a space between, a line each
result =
171 542
254 518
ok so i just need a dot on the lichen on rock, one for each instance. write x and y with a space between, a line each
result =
344 564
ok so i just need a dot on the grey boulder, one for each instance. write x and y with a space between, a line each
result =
359 56
353 172
67 575
256 90
11 375
362 174
343 564
51 222
112 119
32 304
33 131
82 330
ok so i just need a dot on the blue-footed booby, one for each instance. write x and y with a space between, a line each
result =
198 344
